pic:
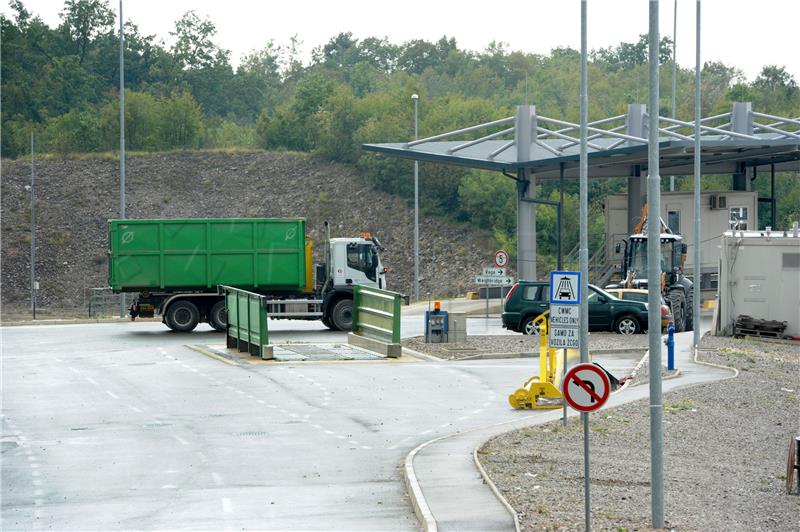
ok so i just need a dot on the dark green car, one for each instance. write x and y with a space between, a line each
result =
528 299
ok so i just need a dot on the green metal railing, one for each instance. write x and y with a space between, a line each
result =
376 314
247 320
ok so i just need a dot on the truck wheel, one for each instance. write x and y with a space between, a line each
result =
627 324
689 325
218 317
183 316
678 305
342 315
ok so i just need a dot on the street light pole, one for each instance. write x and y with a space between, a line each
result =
415 97
33 230
121 135
674 72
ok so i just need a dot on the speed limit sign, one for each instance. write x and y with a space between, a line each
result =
501 259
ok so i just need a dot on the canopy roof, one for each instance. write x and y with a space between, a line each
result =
612 153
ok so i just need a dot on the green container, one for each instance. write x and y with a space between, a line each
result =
261 254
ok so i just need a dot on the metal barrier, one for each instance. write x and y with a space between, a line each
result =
376 314
247 321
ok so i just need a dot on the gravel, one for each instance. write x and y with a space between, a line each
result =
516 343
725 453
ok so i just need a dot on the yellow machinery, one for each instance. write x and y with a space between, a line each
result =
544 386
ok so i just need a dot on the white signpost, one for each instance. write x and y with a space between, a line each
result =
495 276
565 310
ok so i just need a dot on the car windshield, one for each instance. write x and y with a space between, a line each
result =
595 291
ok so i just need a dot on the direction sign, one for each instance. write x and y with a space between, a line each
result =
494 281
565 288
501 259
586 387
494 272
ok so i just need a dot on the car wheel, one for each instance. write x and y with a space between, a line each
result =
183 316
528 327
627 324
218 317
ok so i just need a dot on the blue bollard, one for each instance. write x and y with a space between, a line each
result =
671 346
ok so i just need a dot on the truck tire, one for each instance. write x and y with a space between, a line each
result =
218 317
689 324
182 316
677 302
341 315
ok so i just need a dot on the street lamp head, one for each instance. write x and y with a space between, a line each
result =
415 96
28 187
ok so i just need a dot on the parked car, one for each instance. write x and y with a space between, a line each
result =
528 299
639 294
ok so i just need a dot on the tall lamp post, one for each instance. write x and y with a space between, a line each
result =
122 304
415 97
33 231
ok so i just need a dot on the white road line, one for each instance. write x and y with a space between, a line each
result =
73 370
240 392
367 447
112 394
478 411
37 482
217 479
91 380
38 493
444 425
392 448
318 427
134 409
353 442
34 466
341 437
462 418
203 375
32 458
38 502
426 432
57 359
328 432
261 401
272 406
487 403
180 440
227 506
35 473
203 458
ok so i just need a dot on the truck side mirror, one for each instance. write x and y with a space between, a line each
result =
684 249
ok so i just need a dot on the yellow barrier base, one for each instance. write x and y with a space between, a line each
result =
533 391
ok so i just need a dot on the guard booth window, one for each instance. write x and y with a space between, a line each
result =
362 257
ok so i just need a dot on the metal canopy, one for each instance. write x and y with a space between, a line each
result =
728 141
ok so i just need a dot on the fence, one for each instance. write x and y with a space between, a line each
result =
247 321
376 314
101 302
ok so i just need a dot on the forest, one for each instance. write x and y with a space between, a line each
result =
62 83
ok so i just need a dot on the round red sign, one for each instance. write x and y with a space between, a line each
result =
586 387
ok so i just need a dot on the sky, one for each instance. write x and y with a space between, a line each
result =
739 33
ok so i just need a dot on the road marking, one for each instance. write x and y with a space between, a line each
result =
318 427
261 401
353 442
32 459
37 482
328 432
487 403
57 359
426 432
168 487
35 473
227 506
34 466
367 447
217 479
272 406
240 392
341 437
73 370
462 418
38 493
392 448
203 375
478 411
202 457
91 380
444 425
38 502
134 409
180 440
112 394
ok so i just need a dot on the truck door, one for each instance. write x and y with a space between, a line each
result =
362 263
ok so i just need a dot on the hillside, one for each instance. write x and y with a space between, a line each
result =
76 197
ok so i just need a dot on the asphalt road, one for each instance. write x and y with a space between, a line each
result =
121 426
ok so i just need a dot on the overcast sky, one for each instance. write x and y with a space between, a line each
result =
745 34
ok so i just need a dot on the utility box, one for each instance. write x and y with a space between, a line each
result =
759 277
436 327
457 327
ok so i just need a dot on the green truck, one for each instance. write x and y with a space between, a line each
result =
175 267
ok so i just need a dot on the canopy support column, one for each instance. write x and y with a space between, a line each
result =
526 210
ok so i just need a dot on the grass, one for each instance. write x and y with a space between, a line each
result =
685 404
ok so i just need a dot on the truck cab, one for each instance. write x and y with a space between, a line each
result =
357 261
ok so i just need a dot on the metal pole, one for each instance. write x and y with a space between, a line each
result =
121 135
674 72
653 279
560 220
773 215
33 229
415 97
584 252
697 239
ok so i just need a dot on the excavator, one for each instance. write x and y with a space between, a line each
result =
675 286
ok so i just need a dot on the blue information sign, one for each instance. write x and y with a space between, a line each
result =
565 288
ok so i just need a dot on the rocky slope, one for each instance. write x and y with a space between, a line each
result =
75 198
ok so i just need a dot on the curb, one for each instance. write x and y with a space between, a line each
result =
492 486
421 508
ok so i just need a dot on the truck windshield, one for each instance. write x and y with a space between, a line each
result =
364 258
639 256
